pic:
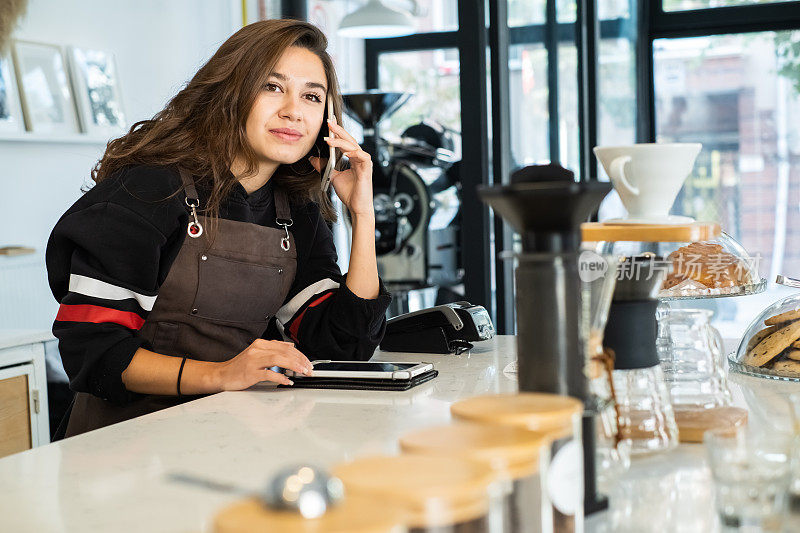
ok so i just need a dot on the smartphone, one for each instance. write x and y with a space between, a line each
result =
364 370
326 173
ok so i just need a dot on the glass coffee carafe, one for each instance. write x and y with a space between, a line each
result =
644 408
691 354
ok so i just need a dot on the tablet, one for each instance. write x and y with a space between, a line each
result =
363 370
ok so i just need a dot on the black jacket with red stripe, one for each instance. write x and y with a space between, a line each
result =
110 252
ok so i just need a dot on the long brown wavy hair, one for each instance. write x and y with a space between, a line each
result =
202 128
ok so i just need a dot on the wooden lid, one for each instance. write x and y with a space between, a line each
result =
603 232
510 451
537 411
432 491
692 423
352 515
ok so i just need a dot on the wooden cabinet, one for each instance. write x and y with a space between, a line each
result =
15 410
24 422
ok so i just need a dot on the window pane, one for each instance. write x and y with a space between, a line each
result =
441 15
526 12
568 108
739 95
682 5
616 112
432 77
567 10
529 90
530 12
617 87
614 9
527 66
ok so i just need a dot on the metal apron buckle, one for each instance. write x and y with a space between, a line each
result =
285 222
195 229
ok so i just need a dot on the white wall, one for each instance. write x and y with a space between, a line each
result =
158 46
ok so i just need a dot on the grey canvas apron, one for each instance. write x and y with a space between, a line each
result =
217 299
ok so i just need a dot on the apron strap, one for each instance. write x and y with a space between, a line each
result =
282 204
194 229
188 186
283 216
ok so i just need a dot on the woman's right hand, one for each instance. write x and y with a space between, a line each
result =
253 364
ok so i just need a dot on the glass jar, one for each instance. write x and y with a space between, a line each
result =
435 494
514 454
559 417
691 354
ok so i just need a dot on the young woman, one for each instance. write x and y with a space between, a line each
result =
203 258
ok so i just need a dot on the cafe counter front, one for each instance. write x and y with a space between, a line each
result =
123 477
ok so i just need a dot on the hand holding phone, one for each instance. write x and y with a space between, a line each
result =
326 174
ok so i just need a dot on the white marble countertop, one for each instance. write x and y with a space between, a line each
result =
115 479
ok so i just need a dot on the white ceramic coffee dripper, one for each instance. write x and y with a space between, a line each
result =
647 178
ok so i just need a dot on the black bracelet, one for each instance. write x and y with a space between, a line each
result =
183 362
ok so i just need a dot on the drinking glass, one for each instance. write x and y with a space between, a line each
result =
752 474
794 491
646 419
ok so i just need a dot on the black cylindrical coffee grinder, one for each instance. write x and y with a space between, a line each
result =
546 206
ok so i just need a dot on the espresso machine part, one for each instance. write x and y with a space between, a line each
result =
368 109
428 143
546 206
417 203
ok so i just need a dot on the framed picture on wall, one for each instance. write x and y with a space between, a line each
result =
10 110
44 89
97 91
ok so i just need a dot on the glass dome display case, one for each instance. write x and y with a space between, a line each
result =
770 347
698 260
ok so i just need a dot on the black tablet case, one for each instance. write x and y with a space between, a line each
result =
361 384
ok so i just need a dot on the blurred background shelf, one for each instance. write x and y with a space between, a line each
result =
78 138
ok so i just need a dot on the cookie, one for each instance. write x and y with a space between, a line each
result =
783 317
792 353
760 336
787 366
772 345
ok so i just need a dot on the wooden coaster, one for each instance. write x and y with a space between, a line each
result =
693 422
602 232
353 515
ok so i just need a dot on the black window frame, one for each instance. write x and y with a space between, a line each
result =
655 23
482 255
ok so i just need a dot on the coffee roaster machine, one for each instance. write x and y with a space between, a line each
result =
417 198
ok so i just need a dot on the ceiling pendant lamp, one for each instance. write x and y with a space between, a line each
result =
375 20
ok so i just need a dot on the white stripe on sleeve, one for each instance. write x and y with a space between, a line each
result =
100 289
291 307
